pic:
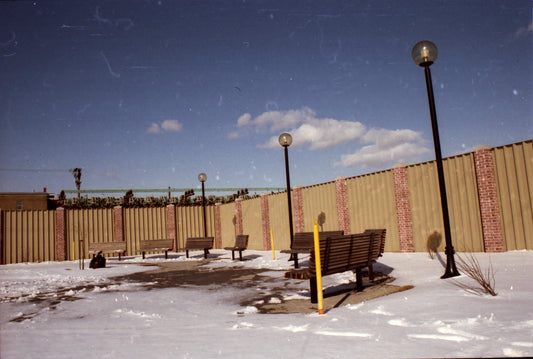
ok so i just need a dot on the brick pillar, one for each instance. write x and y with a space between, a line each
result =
488 199
171 225
265 222
61 234
343 213
1 237
238 216
298 209
218 226
403 208
118 226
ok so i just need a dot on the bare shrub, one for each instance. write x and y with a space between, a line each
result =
484 278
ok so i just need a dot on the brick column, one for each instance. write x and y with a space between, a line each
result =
1 237
61 234
343 213
238 217
298 209
118 226
488 199
218 226
171 225
403 208
265 222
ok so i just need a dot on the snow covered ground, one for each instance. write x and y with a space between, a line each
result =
56 310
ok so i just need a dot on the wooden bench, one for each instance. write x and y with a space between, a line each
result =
108 247
156 245
304 242
241 243
381 233
205 243
339 254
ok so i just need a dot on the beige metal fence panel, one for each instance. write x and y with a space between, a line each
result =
372 204
279 220
190 223
29 236
84 226
514 168
143 224
252 223
227 222
463 203
320 203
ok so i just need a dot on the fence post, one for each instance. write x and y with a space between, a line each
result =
171 225
238 216
403 208
298 209
488 199
343 213
61 234
118 226
218 226
265 222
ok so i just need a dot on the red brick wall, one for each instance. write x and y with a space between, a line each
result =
171 225
343 213
118 227
238 216
61 234
488 200
403 209
298 210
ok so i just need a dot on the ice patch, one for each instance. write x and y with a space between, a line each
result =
343 334
449 330
510 352
399 323
379 310
274 300
523 344
452 338
294 328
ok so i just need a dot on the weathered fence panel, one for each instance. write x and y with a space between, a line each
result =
372 205
514 168
190 223
143 224
86 226
319 204
279 219
227 222
251 223
28 236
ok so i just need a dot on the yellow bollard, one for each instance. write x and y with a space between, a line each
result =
318 271
272 245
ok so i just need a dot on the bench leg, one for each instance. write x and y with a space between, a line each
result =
359 280
118 255
187 253
295 257
240 255
166 254
313 290
370 272
233 254
143 255
205 253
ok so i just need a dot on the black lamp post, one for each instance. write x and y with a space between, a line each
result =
202 177
424 55
285 140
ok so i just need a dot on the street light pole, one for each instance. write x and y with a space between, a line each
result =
424 54
202 177
285 140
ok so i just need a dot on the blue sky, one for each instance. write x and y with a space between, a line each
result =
148 94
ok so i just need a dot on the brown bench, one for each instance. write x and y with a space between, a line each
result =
381 233
241 243
339 254
108 247
205 243
304 242
156 245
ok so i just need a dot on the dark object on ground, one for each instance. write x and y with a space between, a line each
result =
98 261
241 243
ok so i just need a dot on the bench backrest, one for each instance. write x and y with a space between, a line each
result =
306 240
107 246
157 244
381 233
241 241
199 243
341 253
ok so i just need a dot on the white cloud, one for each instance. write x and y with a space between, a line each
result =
385 147
167 126
524 30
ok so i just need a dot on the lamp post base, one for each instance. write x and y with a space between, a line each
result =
451 269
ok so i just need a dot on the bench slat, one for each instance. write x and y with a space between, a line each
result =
108 247
204 243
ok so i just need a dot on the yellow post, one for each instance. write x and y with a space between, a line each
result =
272 245
318 271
